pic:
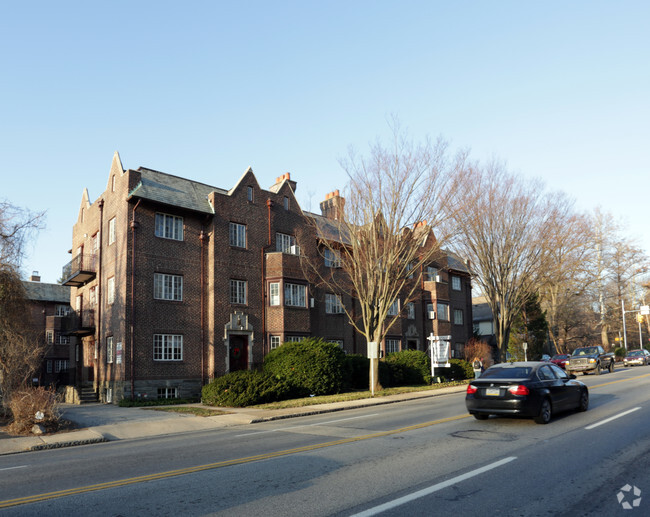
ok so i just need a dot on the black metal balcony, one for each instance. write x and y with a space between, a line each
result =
80 270
80 323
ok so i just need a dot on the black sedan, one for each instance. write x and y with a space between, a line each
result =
530 389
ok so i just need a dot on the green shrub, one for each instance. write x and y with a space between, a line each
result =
409 367
245 388
311 366
459 369
356 368
619 353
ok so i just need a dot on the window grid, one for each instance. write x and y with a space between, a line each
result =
392 345
109 349
168 287
410 311
455 283
443 311
393 310
332 258
333 304
238 292
275 342
283 242
274 293
238 235
167 393
111 231
167 347
458 317
294 295
60 365
110 297
169 227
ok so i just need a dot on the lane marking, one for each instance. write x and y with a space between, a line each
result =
16 467
306 425
607 420
432 489
210 466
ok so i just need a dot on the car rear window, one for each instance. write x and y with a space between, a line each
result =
509 372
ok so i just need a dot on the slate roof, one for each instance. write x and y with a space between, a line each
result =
175 191
456 263
42 292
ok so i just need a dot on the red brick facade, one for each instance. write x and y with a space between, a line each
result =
191 281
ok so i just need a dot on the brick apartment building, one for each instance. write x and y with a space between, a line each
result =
49 306
175 282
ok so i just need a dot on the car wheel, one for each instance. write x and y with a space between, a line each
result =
611 367
598 369
545 413
584 401
480 416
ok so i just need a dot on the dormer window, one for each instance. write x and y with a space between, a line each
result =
286 202
249 194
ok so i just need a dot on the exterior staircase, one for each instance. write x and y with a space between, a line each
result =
87 395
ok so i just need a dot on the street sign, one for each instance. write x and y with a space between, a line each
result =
373 350
645 310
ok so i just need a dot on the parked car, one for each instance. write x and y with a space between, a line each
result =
640 357
528 389
560 359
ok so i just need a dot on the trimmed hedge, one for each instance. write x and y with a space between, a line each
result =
245 388
459 370
356 368
408 368
312 366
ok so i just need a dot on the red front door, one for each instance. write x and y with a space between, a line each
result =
238 353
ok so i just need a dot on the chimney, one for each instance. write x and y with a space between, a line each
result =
332 207
35 277
280 180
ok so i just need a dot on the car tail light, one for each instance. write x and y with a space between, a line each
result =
519 390
471 389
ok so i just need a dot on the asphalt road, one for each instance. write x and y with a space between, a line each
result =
425 457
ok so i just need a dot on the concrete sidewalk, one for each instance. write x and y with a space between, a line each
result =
104 422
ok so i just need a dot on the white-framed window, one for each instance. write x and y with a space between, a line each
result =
238 290
275 342
109 349
60 365
274 293
431 274
60 339
62 310
49 337
111 231
333 304
443 311
393 310
238 235
295 295
284 242
392 345
250 194
458 316
295 339
410 310
455 283
169 227
167 393
167 347
332 258
168 287
110 296
338 342
285 202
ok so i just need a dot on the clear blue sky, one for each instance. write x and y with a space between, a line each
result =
560 90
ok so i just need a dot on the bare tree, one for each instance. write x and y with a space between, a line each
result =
20 351
567 276
383 236
504 231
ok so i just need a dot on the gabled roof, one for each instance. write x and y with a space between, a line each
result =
41 292
328 229
173 190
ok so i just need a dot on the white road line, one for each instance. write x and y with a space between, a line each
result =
307 425
435 488
612 418
12 468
